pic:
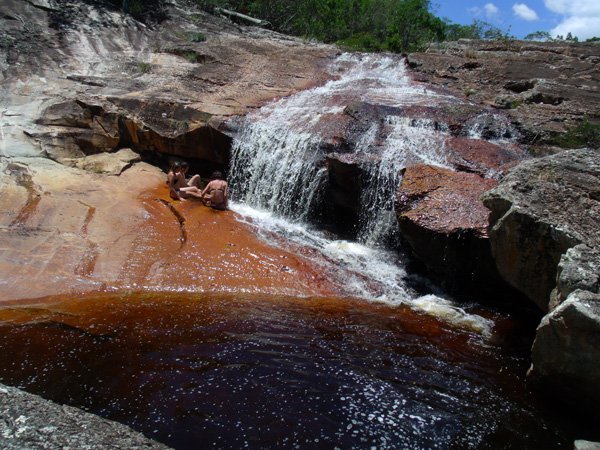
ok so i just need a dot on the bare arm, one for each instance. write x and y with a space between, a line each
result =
207 188
171 182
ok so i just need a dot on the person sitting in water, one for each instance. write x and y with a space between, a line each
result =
215 193
179 187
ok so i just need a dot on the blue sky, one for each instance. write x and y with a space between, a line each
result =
521 17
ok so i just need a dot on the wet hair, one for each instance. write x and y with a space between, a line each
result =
216 175
179 165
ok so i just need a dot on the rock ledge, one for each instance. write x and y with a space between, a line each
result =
29 422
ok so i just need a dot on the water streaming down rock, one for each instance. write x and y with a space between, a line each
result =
278 159
407 141
278 172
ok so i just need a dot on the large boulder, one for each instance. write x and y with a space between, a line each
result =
545 239
565 352
443 220
540 210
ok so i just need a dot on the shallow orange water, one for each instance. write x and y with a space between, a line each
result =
187 246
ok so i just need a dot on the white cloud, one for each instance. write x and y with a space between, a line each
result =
490 10
524 12
580 8
579 17
475 10
582 27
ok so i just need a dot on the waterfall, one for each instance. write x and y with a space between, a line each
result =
278 174
278 163
408 141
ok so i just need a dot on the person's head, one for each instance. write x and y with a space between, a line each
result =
176 166
184 167
216 175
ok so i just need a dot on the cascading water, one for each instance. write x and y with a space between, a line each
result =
278 163
408 141
278 173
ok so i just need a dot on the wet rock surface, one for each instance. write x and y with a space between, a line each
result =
31 422
444 222
487 159
540 210
545 88
85 93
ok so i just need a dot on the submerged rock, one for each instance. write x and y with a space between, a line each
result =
540 210
29 421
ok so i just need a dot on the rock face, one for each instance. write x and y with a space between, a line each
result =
85 93
544 88
445 223
29 421
545 239
540 210
565 353
98 81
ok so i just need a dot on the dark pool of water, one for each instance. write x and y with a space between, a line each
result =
247 372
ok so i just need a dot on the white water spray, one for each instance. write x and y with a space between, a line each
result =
277 174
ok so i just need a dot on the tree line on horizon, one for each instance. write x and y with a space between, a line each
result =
369 25
361 25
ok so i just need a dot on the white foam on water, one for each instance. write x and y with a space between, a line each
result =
277 176
370 273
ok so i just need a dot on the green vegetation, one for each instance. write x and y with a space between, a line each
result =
144 67
133 7
585 134
191 57
197 37
367 25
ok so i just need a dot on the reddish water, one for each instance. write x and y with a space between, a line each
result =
232 371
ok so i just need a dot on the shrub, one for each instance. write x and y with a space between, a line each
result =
144 67
197 37
585 134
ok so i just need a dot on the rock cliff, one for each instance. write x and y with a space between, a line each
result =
545 238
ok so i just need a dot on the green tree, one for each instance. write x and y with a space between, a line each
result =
543 36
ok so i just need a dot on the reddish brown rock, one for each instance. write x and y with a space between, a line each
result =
445 224
99 82
68 231
482 157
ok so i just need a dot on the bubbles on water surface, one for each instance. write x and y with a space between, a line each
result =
235 372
